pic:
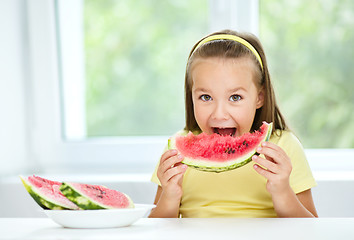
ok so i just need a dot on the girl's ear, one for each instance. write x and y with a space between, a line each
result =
260 98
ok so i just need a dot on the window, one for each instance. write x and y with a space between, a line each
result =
75 96
123 62
64 138
132 56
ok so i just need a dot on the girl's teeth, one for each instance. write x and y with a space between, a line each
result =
225 131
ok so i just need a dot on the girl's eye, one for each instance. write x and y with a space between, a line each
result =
205 97
235 98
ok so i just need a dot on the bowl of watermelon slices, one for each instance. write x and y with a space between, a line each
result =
78 205
103 218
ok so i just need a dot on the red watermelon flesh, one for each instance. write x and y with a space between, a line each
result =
89 196
46 193
218 153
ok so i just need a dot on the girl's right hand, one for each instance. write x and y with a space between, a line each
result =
170 173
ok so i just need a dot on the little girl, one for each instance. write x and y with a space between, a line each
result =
228 91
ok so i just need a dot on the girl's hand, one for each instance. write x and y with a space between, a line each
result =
170 173
275 167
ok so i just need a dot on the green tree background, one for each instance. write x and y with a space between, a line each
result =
309 45
136 53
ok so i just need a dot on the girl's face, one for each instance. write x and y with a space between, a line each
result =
225 95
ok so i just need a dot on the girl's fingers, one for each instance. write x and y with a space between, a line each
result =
170 173
271 154
170 168
273 146
166 155
163 166
262 171
178 177
269 165
171 162
275 163
165 160
270 145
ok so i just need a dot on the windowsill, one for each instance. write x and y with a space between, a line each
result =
333 175
86 178
103 178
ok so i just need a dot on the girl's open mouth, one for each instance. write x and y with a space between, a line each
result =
225 131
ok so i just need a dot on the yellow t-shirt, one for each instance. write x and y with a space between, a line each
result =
240 192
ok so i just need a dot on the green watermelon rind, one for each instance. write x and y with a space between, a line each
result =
41 200
83 201
204 165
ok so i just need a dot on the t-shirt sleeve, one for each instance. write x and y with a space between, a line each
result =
154 177
301 177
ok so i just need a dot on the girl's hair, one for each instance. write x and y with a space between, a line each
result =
269 112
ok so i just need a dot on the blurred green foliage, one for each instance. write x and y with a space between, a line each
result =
309 46
136 52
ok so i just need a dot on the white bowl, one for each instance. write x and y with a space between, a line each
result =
105 218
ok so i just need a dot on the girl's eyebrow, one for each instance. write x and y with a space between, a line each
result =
200 90
238 89
231 90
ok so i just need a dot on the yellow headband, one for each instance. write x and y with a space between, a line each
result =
234 38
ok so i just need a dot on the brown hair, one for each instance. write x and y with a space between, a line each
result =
269 112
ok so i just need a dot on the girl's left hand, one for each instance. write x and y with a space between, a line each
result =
275 167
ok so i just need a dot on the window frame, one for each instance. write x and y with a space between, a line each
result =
50 150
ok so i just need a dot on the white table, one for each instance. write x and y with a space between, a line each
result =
197 229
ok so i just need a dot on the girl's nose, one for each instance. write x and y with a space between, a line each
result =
220 112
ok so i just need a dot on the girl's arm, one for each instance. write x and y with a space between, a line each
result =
290 204
306 200
276 168
168 196
164 208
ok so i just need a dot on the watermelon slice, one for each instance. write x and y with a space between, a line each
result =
219 153
88 196
46 193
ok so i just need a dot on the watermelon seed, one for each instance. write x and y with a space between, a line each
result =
245 143
230 150
97 189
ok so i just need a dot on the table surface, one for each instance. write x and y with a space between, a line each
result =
206 228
